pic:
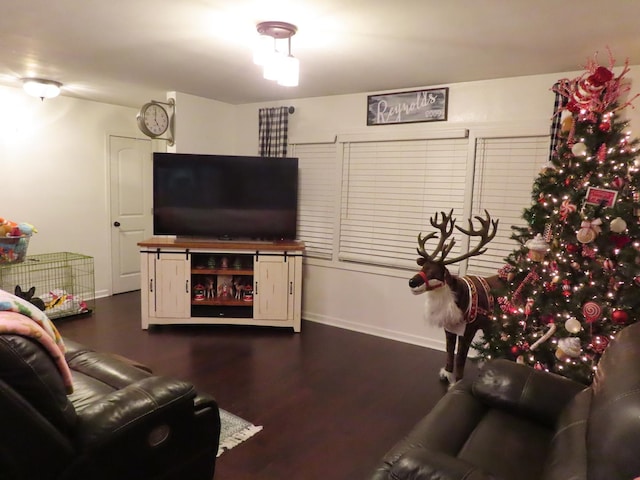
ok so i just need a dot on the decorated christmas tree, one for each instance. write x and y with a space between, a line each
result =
574 280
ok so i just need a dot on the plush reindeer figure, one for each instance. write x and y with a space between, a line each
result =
462 305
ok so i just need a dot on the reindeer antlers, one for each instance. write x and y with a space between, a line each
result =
445 233
446 229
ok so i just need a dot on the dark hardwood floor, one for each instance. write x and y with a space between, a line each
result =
331 401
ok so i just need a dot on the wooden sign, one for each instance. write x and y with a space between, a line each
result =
408 107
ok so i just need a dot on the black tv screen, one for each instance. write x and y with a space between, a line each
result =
225 196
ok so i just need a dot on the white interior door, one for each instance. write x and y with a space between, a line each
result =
131 168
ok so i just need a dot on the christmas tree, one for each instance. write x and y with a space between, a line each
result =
574 280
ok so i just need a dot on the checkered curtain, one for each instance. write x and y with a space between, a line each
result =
273 126
558 104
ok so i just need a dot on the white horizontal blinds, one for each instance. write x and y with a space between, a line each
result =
316 196
505 171
389 191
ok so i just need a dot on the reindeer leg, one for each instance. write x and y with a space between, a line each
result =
446 373
463 350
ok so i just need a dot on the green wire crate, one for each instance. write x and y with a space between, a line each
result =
64 281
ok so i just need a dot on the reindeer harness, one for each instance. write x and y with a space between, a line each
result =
480 298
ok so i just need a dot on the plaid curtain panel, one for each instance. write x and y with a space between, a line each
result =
558 104
272 129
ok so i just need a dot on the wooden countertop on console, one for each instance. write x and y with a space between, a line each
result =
165 242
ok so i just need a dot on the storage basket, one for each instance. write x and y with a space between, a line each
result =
13 249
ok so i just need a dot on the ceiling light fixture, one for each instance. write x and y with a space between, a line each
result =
278 63
41 88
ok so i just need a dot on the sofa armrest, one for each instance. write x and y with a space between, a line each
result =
523 390
424 464
144 405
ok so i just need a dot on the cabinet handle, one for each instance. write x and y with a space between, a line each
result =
151 285
290 288
255 290
186 286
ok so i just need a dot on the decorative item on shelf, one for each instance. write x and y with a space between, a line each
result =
198 292
237 263
247 296
211 262
224 262
210 288
225 287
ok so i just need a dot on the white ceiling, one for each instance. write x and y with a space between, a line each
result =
130 51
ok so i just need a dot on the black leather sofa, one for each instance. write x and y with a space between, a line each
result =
121 422
514 422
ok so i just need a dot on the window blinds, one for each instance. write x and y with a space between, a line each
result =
390 190
505 170
316 196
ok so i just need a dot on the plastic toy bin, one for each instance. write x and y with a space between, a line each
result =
13 249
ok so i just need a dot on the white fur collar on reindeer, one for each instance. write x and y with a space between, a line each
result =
440 308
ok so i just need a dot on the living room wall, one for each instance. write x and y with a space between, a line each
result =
377 300
54 173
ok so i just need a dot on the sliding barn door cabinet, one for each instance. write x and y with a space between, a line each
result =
235 283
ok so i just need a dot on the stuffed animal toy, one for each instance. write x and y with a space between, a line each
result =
460 305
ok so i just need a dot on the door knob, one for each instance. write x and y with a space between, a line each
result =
116 224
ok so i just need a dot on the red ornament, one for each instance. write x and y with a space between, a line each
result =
605 127
601 76
619 317
573 107
572 248
515 350
546 318
620 241
599 343
618 182
566 288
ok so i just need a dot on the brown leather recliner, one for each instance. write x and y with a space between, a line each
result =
514 422
121 421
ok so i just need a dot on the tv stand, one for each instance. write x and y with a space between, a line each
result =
200 281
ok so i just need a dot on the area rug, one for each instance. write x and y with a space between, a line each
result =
234 430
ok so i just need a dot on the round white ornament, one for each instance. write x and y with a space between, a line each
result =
572 325
579 149
618 225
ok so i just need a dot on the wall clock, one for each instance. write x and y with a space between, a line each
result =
154 120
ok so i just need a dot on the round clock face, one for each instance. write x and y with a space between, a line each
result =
153 120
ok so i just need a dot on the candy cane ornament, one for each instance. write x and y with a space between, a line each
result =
545 337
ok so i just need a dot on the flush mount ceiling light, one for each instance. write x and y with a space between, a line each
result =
273 53
41 88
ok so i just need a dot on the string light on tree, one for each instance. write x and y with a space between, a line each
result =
574 280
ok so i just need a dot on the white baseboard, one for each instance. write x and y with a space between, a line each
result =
376 331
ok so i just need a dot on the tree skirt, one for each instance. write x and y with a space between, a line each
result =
234 430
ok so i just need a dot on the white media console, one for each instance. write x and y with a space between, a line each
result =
220 282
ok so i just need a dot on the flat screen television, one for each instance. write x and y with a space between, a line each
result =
225 196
